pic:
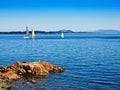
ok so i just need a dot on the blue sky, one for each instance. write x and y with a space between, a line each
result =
50 15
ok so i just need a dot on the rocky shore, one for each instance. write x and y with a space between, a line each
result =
5 84
19 70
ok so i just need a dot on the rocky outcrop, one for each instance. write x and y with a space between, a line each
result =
20 69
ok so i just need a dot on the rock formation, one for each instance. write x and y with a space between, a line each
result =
20 69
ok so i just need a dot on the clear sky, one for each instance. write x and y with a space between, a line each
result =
50 15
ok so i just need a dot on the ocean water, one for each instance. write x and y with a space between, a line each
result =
92 61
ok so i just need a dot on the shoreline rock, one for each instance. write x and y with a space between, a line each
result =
26 69
5 84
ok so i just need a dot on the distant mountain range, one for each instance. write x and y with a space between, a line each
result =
102 31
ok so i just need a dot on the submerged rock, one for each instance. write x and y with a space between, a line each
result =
33 81
5 84
27 83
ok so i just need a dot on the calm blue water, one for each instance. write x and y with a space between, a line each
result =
92 61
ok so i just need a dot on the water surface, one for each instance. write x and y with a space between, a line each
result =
92 61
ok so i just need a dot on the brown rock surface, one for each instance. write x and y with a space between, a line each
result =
10 75
19 69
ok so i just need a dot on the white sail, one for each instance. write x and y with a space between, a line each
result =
33 33
62 35
27 33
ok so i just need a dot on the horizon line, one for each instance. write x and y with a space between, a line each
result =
63 30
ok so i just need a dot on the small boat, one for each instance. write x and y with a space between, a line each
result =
26 36
62 35
27 33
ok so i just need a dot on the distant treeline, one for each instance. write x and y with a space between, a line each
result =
65 31
37 32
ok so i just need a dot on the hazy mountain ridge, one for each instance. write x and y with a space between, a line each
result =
105 31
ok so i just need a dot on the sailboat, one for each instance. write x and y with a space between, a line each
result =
27 33
62 35
33 33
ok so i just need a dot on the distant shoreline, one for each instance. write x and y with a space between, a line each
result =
20 32
37 32
64 31
41 32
